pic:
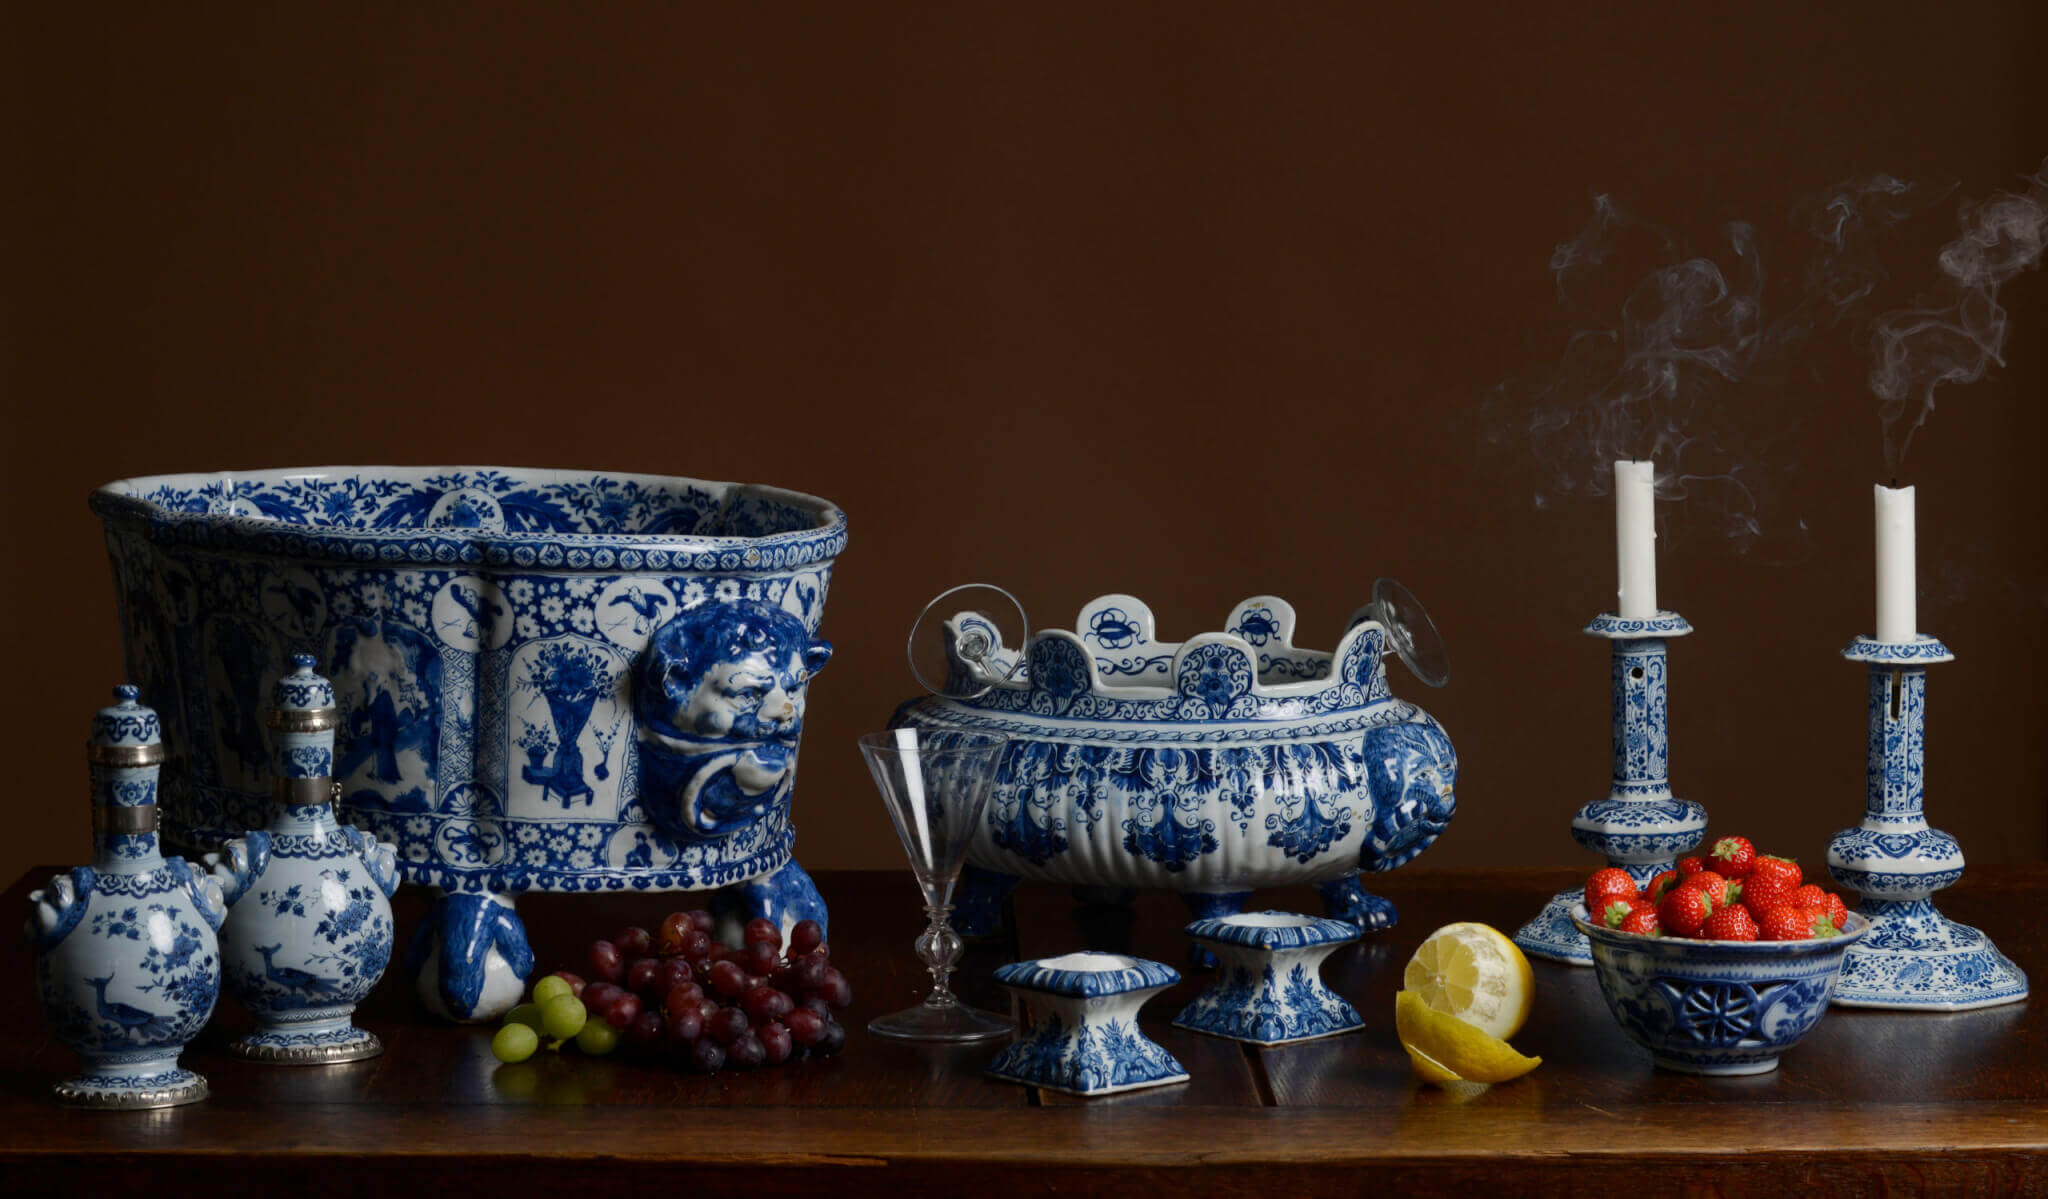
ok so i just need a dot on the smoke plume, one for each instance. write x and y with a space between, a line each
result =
1955 336
1676 362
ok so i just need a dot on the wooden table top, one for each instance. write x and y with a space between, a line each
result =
1909 1102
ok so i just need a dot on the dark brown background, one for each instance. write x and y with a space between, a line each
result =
1190 301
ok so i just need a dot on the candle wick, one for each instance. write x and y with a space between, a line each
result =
1895 482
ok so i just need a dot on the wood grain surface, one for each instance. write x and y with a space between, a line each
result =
1870 1102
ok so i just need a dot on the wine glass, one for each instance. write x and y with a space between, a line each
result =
936 785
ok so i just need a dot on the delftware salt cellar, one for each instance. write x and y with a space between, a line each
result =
1268 988
128 961
548 680
1086 1041
309 922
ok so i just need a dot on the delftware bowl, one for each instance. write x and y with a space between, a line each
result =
1211 767
1716 1007
547 680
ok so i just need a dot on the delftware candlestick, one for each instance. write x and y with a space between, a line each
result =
309 926
1914 957
1641 827
129 964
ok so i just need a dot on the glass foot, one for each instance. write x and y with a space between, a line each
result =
951 1022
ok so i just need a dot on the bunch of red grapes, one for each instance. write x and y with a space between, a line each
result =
704 1005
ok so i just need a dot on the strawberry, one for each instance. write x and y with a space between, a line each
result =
1784 868
1605 884
1730 924
1838 912
1733 856
1662 885
1720 888
1613 911
1771 883
1684 910
1788 922
1687 867
1809 895
1643 921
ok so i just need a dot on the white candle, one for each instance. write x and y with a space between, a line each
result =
1635 537
1897 618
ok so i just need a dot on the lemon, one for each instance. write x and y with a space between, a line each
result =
1474 973
1446 1049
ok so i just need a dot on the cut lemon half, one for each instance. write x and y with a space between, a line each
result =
1446 1049
1472 972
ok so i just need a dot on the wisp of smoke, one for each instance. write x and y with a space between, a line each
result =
1957 335
1658 365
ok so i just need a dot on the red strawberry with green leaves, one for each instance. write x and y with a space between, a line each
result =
1838 912
1613 911
1771 883
1684 910
1605 884
1730 924
1720 888
1789 922
1687 867
1732 857
1643 922
1662 885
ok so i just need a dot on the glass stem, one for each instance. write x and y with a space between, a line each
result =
939 947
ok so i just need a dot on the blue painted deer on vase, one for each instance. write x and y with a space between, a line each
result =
309 927
128 960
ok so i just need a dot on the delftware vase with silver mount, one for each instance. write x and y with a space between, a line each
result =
128 962
309 927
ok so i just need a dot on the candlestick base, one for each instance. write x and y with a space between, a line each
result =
1923 961
1641 836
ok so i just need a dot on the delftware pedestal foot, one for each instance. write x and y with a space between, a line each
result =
1344 899
469 957
1268 988
978 901
1209 905
1640 827
1915 958
132 1086
326 1043
785 896
1086 1041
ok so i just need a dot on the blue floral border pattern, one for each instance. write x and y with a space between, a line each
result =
1664 624
1923 650
1246 929
548 525
1136 974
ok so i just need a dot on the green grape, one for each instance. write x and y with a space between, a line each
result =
514 1043
563 1017
551 987
597 1038
527 1014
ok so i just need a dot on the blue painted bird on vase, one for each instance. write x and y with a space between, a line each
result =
134 923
